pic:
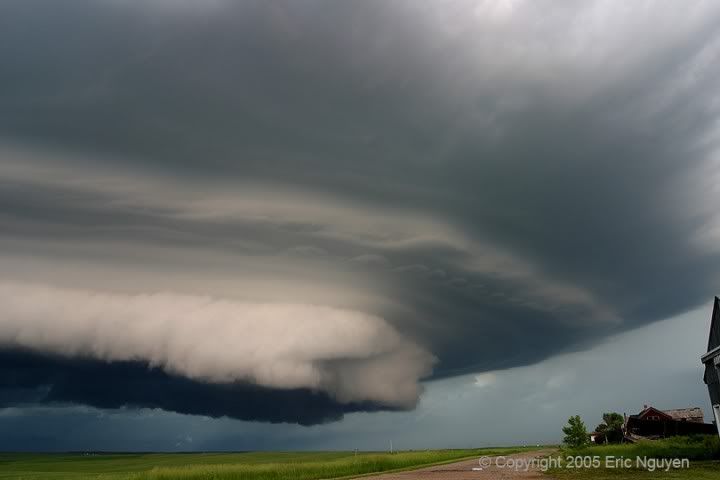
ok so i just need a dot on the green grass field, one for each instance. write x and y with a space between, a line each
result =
221 466
703 454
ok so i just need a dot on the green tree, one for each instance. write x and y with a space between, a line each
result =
576 434
611 428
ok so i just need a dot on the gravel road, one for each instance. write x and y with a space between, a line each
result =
464 470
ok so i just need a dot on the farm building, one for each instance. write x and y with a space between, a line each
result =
711 360
692 414
654 423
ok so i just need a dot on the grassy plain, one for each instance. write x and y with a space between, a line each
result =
224 466
703 454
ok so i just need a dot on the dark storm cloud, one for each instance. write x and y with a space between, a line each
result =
499 181
29 378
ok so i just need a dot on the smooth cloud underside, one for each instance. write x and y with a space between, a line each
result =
30 378
337 193
350 356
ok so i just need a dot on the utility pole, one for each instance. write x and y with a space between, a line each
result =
391 451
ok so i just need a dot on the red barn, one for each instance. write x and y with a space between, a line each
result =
654 423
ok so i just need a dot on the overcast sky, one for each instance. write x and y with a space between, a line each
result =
318 224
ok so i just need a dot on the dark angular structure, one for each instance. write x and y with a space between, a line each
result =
711 360
652 423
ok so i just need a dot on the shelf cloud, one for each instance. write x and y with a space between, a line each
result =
214 207
350 356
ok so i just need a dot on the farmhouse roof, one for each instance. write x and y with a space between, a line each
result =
677 414
684 413
646 410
